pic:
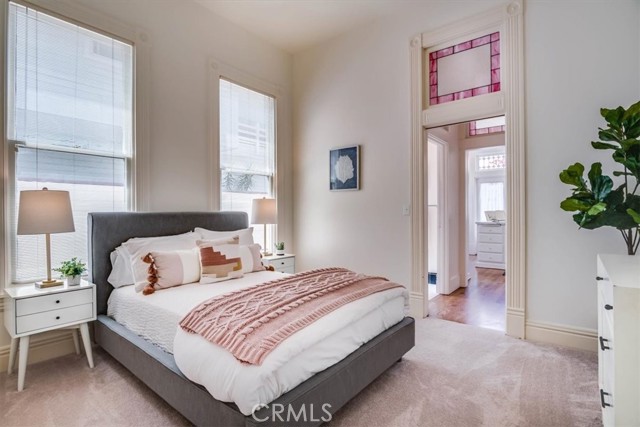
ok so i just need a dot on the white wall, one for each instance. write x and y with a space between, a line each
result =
580 56
184 36
355 89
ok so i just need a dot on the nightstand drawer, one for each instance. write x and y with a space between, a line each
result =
56 301
279 264
54 318
288 270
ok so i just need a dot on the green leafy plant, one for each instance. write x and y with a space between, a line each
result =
74 267
280 246
597 201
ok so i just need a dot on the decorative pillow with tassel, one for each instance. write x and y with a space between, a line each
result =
171 268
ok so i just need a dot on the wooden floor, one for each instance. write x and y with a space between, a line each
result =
481 303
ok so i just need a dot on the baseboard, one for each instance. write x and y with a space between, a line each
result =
566 336
515 323
42 347
417 303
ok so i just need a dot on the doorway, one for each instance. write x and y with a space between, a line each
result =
440 97
466 269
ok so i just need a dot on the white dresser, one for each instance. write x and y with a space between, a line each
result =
619 339
490 245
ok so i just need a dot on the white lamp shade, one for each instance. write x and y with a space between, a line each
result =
45 212
263 211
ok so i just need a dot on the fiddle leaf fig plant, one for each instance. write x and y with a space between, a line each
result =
597 200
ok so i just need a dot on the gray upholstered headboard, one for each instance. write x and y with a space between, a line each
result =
106 231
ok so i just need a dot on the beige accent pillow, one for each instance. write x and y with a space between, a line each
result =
138 248
171 268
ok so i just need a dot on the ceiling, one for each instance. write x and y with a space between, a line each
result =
295 25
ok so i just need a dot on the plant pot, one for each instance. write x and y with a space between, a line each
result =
279 251
73 280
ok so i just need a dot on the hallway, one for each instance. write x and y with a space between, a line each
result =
481 303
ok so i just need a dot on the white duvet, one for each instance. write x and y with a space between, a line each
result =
309 351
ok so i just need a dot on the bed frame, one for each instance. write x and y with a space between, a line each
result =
157 369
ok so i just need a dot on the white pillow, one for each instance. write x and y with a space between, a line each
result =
138 248
121 274
246 235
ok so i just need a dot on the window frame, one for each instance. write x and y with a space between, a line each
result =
218 71
138 160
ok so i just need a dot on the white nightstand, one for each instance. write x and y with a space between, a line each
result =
29 311
283 263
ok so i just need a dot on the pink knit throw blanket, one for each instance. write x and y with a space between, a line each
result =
252 322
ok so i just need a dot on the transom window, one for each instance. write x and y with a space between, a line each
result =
487 126
465 70
70 127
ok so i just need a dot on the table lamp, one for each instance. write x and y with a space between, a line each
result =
45 212
263 211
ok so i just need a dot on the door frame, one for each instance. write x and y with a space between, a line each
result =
442 278
509 20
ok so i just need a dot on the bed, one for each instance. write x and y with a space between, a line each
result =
157 368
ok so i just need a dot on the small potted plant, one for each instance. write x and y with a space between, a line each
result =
280 248
72 270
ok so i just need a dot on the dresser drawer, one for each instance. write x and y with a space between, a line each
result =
39 304
288 270
490 257
490 229
491 247
54 318
490 238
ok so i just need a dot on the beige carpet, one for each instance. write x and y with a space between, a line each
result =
457 375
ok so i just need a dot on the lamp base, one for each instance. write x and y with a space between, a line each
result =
49 284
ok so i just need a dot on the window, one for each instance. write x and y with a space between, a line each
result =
487 126
70 126
247 149
465 70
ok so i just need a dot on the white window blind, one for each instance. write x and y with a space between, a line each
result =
70 125
247 148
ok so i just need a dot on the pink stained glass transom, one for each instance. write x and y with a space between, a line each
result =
494 41
474 130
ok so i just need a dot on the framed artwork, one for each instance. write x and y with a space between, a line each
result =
344 168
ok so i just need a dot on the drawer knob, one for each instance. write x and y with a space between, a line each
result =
608 307
602 395
57 317
598 278
57 301
603 346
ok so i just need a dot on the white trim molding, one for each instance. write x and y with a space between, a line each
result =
218 70
507 19
550 333
419 286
